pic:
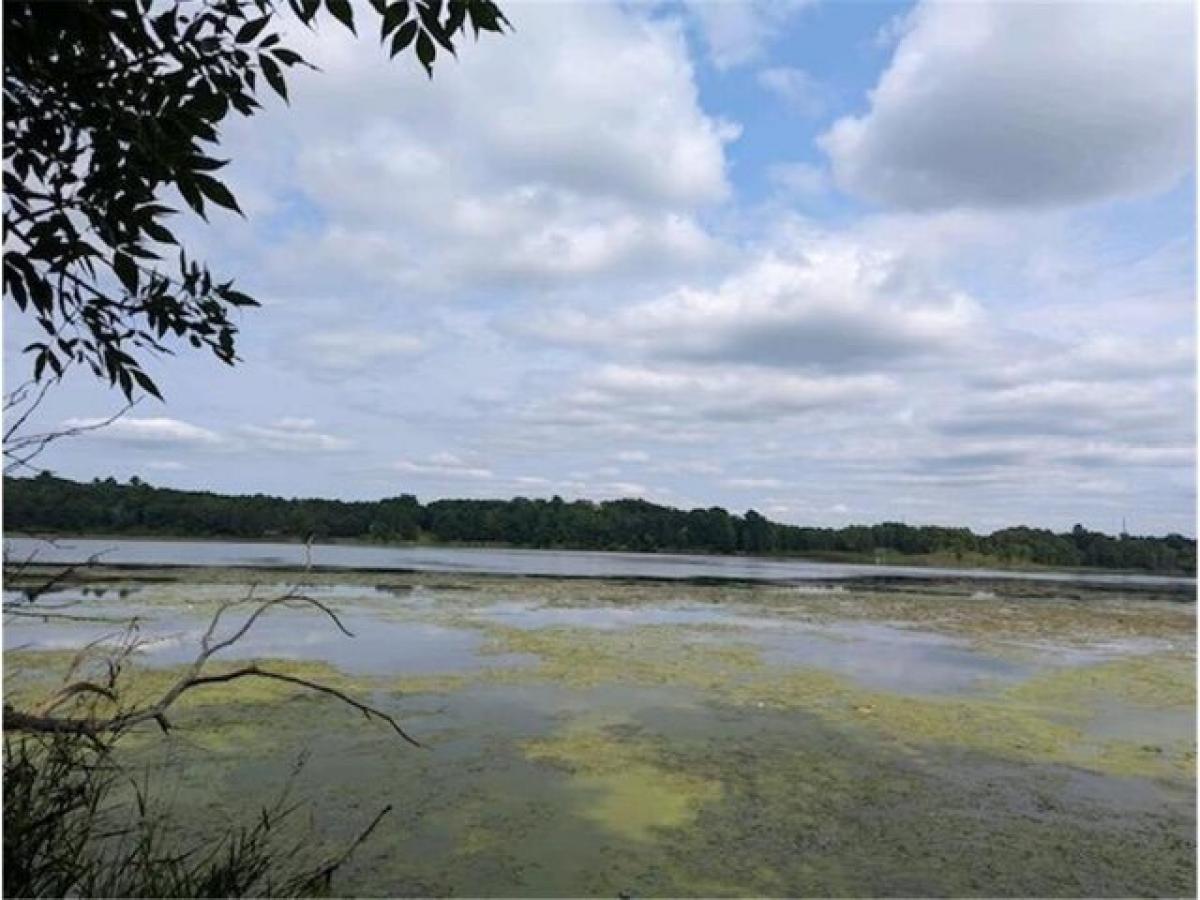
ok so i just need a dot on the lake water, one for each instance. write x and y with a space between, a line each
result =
591 738
559 563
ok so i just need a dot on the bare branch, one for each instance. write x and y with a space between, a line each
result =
97 727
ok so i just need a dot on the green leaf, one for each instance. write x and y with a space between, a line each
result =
340 10
404 37
146 383
251 30
393 18
426 52
287 57
205 164
274 77
237 298
126 270
191 193
217 192
14 283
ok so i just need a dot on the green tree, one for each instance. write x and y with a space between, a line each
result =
112 107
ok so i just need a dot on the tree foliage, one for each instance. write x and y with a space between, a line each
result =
53 504
112 118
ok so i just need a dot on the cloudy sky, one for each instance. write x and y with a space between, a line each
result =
835 261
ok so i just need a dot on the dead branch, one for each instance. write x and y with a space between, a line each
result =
21 450
109 728
32 593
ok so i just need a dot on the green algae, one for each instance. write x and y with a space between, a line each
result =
1022 723
1160 680
758 779
649 655
621 785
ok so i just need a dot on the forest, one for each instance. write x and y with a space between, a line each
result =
49 504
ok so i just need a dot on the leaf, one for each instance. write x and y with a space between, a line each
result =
159 233
205 163
393 18
191 193
146 383
404 37
426 52
287 57
237 298
340 10
274 76
217 192
126 270
251 30
126 383
430 18
14 283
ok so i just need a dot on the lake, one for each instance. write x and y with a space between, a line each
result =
592 737
559 563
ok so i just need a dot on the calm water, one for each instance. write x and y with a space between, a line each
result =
628 771
561 563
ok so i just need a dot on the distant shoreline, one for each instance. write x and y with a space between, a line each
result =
890 560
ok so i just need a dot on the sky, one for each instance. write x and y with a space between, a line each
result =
838 262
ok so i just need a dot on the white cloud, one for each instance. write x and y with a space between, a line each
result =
166 465
1000 104
800 178
1097 410
738 31
157 430
292 435
795 87
753 483
357 349
689 394
443 465
828 304
575 145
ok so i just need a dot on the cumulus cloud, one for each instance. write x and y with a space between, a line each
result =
1073 408
832 304
357 349
633 456
690 394
738 31
800 178
443 465
798 90
292 435
997 104
155 430
574 146
753 483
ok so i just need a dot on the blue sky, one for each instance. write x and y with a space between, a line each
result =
835 261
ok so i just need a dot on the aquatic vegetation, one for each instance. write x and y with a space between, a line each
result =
620 784
686 758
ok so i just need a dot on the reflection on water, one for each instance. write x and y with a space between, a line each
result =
422 631
382 644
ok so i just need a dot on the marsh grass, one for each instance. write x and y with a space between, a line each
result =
77 824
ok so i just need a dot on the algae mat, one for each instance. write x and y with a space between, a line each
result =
608 739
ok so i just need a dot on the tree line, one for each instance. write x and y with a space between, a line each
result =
47 503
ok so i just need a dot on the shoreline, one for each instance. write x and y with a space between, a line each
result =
896 560
1029 587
